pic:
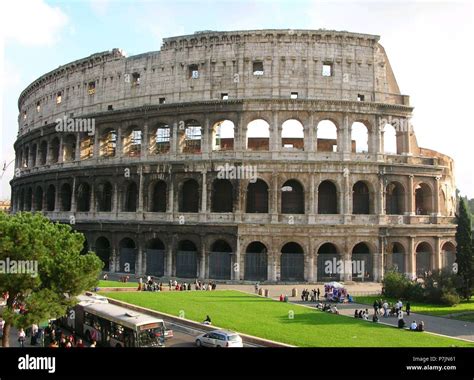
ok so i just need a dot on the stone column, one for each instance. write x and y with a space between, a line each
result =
206 136
436 196
96 147
274 198
119 143
407 139
381 195
170 205
73 196
204 192
276 129
235 274
139 262
312 196
92 207
78 147
410 195
115 199
344 138
203 268
437 259
140 189
169 257
57 198
309 262
347 191
411 265
61 149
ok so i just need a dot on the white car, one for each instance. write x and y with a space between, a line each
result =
219 338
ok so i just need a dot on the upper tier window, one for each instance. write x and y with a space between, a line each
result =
258 68
91 88
327 70
193 72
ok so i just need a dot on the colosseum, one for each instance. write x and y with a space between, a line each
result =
259 155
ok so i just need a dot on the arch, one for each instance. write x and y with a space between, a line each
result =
108 143
103 250
69 148
158 199
132 142
424 252
39 198
160 141
83 197
222 196
258 135
66 197
256 262
50 198
326 136
395 199
223 135
328 256
54 150
327 198
362 263
43 152
361 199
155 257
104 194
192 139
292 262
128 254
292 197
220 260
189 196
396 258
86 146
186 259
292 135
359 138
423 199
389 139
130 196
257 197
448 255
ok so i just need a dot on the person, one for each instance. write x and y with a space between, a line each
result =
408 308
318 293
21 337
401 322
207 321
34 334
421 326
80 343
385 309
106 277
2 323
356 313
256 287
93 344
361 312
376 307
375 318
413 326
53 344
334 310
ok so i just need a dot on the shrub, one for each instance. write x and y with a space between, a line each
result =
395 284
450 298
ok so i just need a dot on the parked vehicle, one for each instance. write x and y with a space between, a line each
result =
219 338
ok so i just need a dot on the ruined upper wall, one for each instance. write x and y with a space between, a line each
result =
292 62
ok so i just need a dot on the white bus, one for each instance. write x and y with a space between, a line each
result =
115 326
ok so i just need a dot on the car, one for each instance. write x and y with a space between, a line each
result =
219 338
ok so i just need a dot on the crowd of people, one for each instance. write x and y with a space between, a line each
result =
385 309
312 296
327 307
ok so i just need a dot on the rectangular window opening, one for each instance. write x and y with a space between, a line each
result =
327 70
91 88
294 95
224 96
360 97
258 68
193 71
162 100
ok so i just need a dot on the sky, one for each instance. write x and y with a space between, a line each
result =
429 45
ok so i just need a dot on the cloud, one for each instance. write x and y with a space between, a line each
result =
32 23
100 7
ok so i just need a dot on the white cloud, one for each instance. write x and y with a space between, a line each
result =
32 23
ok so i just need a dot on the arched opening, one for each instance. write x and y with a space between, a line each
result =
189 196
222 196
389 139
108 143
66 197
50 198
39 199
256 262
360 198
155 257
328 257
28 199
362 263
192 137
292 198
54 155
128 254
83 197
423 199
292 135
396 258
25 158
423 259
327 198
292 262
223 135
326 136
86 146
257 197
43 153
258 135
33 153
104 194
69 148
186 260
448 256
132 142
158 197
395 199
103 251
160 139
220 261
359 138
130 197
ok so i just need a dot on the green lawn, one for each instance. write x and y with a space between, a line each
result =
424 308
117 284
270 319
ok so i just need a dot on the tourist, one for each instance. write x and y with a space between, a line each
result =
93 344
408 308
318 293
375 318
376 307
401 322
34 334
207 321
257 286
413 326
106 277
80 343
421 326
21 337
385 309
361 313
356 313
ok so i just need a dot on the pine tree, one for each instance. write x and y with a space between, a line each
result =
464 251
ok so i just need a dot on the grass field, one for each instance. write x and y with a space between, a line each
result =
424 308
270 319
117 284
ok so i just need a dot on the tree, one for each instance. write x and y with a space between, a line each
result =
464 252
55 273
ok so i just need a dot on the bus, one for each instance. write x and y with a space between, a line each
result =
114 326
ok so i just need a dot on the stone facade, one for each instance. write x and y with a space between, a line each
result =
144 182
